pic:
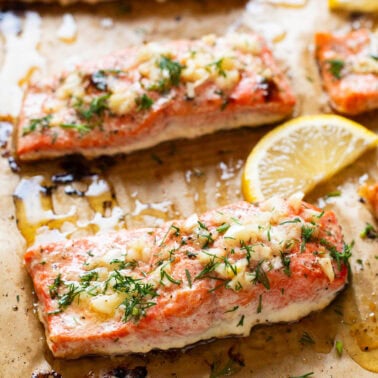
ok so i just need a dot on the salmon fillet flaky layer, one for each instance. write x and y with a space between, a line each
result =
213 275
348 65
152 93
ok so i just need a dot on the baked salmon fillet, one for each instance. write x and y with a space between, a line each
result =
213 275
349 68
369 192
152 93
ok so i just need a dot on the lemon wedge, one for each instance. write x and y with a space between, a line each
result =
354 5
302 153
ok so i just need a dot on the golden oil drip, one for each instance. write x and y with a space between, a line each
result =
47 212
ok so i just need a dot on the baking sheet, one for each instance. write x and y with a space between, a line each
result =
178 178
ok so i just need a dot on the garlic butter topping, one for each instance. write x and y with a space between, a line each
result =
363 60
233 249
134 84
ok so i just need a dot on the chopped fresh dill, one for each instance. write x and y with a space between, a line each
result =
176 230
369 232
86 278
220 369
223 227
248 249
157 159
37 123
206 234
241 322
339 347
259 307
261 276
306 338
335 67
218 65
209 267
122 264
140 295
144 102
320 215
230 266
173 69
236 220
188 277
164 274
232 309
340 257
96 107
81 128
335 193
202 225
53 288
295 220
307 232
268 232
286 264
303 376
69 296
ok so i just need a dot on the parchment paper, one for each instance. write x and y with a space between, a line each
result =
179 178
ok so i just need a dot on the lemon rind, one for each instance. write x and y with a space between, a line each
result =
250 185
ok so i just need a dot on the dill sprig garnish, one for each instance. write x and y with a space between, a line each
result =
139 297
261 276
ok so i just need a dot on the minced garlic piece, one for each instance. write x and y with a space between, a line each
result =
211 254
242 232
241 280
151 51
365 66
105 260
193 73
106 304
245 43
150 70
72 87
122 103
261 252
190 224
326 265
295 200
231 269
136 250
160 275
229 80
210 39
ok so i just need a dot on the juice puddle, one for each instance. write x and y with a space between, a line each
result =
50 209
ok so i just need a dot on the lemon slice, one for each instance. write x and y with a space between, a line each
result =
301 153
354 5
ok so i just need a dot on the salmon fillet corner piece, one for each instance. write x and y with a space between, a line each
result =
148 94
369 192
213 275
349 68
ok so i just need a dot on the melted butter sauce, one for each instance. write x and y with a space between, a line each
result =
46 209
